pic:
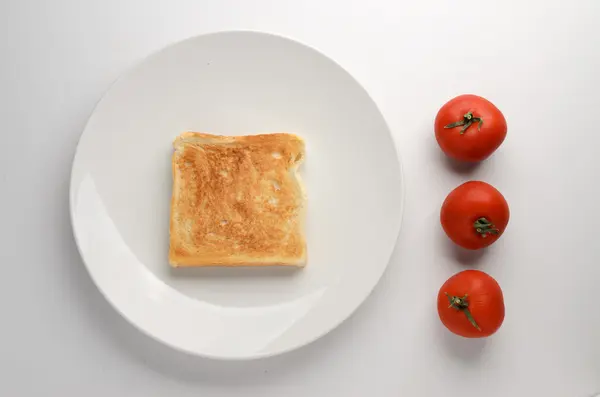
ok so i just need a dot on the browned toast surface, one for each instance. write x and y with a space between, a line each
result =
237 201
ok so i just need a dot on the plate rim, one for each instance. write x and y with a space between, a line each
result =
260 355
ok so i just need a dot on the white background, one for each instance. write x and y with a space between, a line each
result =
536 60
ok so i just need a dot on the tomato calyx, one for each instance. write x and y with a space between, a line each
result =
484 227
462 304
466 122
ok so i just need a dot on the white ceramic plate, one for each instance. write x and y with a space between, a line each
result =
236 83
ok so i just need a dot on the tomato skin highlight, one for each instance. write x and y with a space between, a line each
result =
476 143
485 303
466 205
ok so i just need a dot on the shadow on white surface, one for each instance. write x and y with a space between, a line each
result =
467 258
454 166
468 351
458 167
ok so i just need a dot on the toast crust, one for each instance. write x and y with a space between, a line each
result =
237 201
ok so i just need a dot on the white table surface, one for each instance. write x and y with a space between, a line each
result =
537 60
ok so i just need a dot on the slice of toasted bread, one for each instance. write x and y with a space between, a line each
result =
237 201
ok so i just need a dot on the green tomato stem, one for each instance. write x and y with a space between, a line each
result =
466 122
462 304
484 227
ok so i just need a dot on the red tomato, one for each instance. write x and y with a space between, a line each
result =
471 304
469 128
474 215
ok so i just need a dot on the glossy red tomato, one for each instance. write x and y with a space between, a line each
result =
471 304
469 128
474 215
